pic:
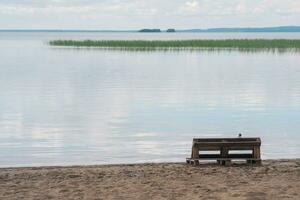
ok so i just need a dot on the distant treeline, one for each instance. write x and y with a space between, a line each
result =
144 44
247 30
170 30
222 30
150 31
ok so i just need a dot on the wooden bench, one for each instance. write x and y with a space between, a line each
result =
225 146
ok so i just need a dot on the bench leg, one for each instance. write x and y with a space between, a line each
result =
256 152
256 155
224 162
195 152
194 162
224 154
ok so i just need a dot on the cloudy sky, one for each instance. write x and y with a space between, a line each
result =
136 14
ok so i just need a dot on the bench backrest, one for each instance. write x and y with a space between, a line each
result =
233 142
222 140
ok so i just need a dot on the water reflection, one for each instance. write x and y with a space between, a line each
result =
63 106
187 49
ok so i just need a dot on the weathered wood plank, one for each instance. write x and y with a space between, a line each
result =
225 139
231 156
224 145
250 159
246 143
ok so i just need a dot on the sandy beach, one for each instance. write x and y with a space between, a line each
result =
272 180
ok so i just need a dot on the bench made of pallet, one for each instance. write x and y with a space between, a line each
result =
224 146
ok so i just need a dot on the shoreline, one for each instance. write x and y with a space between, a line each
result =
275 179
204 163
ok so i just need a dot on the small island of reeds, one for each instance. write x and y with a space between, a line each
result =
279 44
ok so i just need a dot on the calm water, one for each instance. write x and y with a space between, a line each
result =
65 106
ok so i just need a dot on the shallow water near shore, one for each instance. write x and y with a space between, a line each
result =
69 106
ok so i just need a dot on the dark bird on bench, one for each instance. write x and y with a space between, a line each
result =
240 135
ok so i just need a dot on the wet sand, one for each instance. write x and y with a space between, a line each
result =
272 180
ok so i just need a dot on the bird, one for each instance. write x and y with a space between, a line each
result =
240 135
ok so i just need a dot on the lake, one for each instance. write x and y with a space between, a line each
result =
70 106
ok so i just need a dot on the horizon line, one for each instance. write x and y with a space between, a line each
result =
270 28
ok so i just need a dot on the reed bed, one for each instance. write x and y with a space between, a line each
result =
183 44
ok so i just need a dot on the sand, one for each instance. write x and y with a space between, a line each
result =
272 180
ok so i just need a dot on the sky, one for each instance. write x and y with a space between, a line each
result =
137 14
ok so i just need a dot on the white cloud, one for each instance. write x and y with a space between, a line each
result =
16 10
191 6
19 10
241 8
128 14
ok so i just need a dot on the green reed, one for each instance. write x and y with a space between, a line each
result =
183 44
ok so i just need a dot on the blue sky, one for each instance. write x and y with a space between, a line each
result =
136 14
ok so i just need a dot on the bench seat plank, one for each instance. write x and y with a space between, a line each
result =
231 156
